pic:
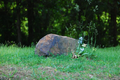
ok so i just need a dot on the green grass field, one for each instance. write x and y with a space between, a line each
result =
21 63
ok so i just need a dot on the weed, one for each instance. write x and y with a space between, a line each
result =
84 50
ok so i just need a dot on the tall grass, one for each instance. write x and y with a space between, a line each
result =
106 65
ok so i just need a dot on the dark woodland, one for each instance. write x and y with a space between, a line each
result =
24 22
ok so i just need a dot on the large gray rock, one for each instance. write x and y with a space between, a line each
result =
55 44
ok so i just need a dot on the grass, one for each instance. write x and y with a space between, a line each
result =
21 63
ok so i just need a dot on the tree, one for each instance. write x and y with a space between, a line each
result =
18 22
113 24
30 15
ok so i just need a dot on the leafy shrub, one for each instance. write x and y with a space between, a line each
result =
84 50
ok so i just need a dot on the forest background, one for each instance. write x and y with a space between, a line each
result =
26 21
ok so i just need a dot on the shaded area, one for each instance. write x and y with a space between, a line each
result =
26 21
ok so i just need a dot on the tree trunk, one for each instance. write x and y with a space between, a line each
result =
30 15
18 22
6 22
113 23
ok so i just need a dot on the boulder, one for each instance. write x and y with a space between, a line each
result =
55 45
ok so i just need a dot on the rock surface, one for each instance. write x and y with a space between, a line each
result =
55 45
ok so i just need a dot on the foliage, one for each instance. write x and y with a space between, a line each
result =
26 21
84 50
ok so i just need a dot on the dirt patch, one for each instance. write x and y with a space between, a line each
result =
55 74
107 77
13 73
17 73
8 72
52 72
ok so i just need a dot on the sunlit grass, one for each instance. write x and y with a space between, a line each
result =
106 65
